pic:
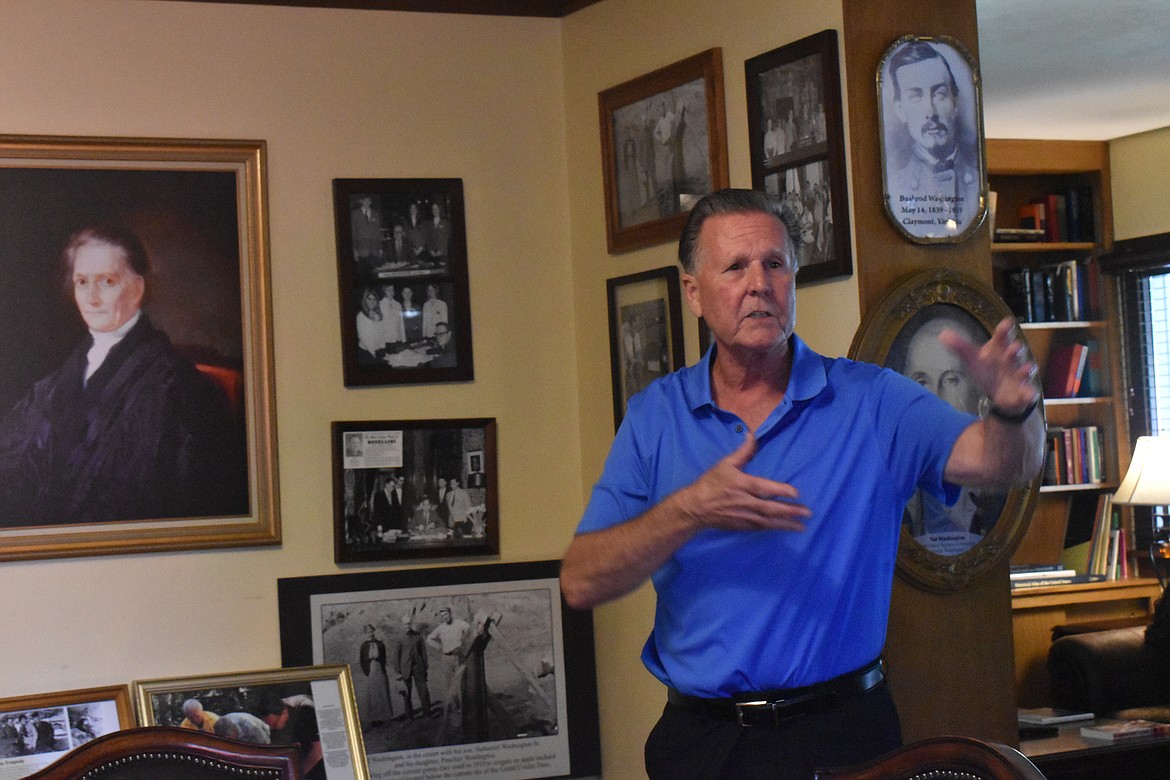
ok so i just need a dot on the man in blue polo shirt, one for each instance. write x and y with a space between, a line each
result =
761 491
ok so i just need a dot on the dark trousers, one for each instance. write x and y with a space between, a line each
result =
689 746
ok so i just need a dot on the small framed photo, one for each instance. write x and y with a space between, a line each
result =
797 147
945 548
645 332
414 489
311 707
173 444
402 280
37 730
663 146
480 667
933 170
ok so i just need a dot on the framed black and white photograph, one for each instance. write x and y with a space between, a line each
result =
797 143
137 407
403 281
483 668
310 707
944 548
645 332
414 489
663 146
933 170
36 730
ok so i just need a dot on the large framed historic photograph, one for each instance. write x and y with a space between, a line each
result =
136 401
37 730
663 146
483 668
645 332
414 489
931 122
945 548
797 145
402 281
309 707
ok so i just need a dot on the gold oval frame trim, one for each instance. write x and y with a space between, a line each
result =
875 336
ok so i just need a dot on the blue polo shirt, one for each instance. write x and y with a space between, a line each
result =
749 611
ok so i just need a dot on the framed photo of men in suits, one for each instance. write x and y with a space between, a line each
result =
414 489
933 170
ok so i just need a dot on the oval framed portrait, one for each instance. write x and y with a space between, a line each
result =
946 548
931 122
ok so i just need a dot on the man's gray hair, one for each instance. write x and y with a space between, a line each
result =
736 201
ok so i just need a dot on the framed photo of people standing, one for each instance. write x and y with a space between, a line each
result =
945 548
933 170
797 143
414 489
645 332
663 146
479 667
37 730
402 281
136 400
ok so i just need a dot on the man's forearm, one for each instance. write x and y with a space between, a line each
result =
600 566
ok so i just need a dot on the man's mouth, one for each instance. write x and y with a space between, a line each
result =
759 314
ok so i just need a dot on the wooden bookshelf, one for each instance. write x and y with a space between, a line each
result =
1022 172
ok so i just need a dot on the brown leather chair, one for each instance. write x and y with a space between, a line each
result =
942 758
154 752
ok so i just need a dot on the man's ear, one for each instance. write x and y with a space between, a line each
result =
691 291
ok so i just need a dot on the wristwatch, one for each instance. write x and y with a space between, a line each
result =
1014 418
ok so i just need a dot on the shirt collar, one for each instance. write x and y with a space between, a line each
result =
807 379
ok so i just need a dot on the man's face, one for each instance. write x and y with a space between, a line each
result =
277 722
442 336
107 290
927 105
445 616
744 283
936 368
442 484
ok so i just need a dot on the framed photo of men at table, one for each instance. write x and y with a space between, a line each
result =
402 281
414 489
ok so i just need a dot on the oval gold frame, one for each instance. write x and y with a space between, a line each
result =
875 337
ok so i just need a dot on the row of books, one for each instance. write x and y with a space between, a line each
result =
1102 731
1074 456
1064 292
1104 554
1074 371
1066 216
1024 576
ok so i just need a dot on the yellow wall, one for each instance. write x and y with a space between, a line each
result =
335 94
605 45
508 105
1141 190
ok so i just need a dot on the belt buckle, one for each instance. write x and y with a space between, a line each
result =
748 713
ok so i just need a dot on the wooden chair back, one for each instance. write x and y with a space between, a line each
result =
942 758
153 752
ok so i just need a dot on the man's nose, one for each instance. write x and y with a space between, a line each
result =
758 278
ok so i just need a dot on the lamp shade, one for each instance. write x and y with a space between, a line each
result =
1148 480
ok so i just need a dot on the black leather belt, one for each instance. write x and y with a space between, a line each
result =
770 708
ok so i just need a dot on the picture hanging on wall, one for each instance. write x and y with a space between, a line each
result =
933 171
663 146
402 280
414 489
137 406
797 143
946 548
484 668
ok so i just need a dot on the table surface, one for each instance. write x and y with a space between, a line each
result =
1069 740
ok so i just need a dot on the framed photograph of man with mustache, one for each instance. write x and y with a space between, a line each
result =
933 170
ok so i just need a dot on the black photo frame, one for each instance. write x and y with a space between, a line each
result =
402 270
539 661
945 558
797 143
645 332
445 503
